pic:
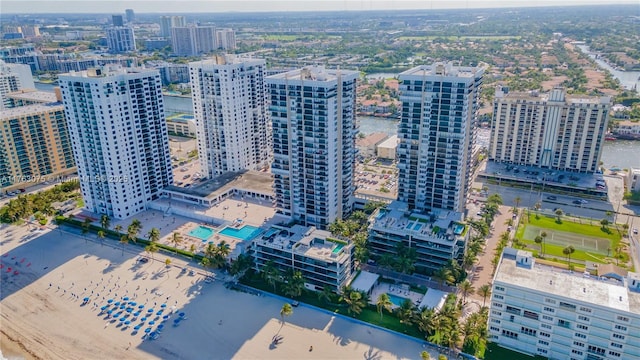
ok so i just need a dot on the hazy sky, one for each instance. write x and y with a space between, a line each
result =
147 6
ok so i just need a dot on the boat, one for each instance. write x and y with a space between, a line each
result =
610 138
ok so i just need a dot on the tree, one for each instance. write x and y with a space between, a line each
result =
568 251
466 288
242 264
124 240
294 285
176 239
485 291
424 355
101 236
604 223
383 302
205 263
153 235
354 299
326 295
559 213
424 319
405 312
442 357
134 229
544 241
167 262
286 310
517 201
105 221
151 248
538 240
85 227
117 228
270 274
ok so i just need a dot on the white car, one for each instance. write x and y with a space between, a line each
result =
635 231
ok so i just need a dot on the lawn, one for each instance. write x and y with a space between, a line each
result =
454 38
571 226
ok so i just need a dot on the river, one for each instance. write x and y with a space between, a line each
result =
622 154
628 79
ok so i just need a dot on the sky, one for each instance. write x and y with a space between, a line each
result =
179 6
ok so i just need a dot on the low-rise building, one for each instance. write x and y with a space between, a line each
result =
181 125
367 145
323 260
626 129
633 179
539 310
387 149
437 237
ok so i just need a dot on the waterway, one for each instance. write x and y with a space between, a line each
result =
622 154
628 79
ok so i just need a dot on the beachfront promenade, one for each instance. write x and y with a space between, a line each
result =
220 324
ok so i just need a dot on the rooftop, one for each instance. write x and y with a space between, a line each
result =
580 287
34 95
439 225
557 94
371 139
314 73
248 180
307 241
442 69
19 111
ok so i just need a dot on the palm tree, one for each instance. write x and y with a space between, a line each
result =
176 239
134 229
544 241
383 302
517 201
424 319
485 291
85 227
105 221
270 274
466 288
224 249
424 355
538 240
355 301
205 263
242 264
294 285
618 251
101 236
568 251
326 295
604 223
153 235
151 248
405 312
124 240
286 310
559 215
117 228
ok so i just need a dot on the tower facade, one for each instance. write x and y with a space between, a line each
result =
552 130
119 137
168 22
314 128
230 108
120 40
437 134
193 40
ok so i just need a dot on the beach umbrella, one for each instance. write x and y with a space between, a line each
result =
117 303
109 301
123 319
136 313
152 322
147 330
126 298
133 303
103 307
159 312
165 317
129 310
143 319
127 322
181 314
149 310
85 299
163 306
110 312
175 321
160 326
137 327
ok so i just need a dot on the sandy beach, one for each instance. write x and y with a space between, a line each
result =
52 323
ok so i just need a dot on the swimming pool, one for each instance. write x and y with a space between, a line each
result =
244 233
396 300
414 226
458 229
202 232
337 248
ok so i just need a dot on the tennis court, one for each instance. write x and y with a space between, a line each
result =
562 238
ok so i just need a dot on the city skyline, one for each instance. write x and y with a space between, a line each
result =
214 6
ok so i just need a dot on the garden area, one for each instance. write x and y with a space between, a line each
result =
564 239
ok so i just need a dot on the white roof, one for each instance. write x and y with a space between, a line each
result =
364 281
433 299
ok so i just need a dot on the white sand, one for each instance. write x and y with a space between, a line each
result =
221 324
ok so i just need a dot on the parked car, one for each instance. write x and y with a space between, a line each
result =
635 231
551 197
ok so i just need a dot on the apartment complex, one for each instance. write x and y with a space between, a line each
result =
436 135
13 77
553 130
193 40
168 22
230 107
560 315
314 128
226 39
437 237
323 260
34 140
120 39
119 136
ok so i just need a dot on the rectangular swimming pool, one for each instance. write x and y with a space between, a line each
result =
247 232
396 300
202 232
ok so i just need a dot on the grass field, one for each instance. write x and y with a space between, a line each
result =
273 37
589 240
495 352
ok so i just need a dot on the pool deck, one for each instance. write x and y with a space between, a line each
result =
396 290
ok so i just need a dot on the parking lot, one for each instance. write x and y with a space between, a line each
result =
376 180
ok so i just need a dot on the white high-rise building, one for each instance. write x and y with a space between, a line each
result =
538 310
437 134
168 22
314 129
226 39
120 39
552 130
13 77
230 108
119 137
193 40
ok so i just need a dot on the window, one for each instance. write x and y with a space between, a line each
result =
577 352
497 304
620 327
542 351
527 331
497 313
623 318
582 327
618 336
578 343
564 323
499 288
509 334
542 342
548 309
494 328
596 350
580 335
530 315
550 301
585 309
547 317
583 318
613 353
544 334
616 345
499 297
513 310
545 326
567 306
495 321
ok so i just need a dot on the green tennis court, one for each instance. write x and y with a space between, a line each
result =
563 238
